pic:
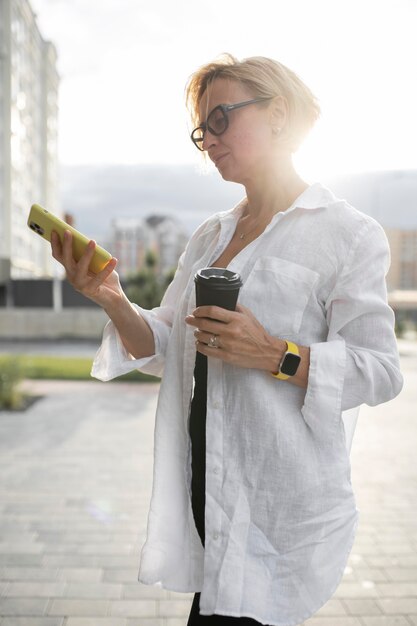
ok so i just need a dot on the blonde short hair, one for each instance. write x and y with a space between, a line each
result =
263 77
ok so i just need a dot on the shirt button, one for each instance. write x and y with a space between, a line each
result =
216 470
216 405
216 536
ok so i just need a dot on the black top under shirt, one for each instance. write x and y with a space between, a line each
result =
198 483
198 443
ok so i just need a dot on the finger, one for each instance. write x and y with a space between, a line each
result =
105 273
68 258
213 327
207 351
56 246
207 338
244 309
214 313
87 256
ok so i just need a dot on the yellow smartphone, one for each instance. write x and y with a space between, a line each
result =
43 223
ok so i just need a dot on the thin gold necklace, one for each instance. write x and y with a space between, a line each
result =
244 235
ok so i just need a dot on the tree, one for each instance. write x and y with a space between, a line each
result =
146 287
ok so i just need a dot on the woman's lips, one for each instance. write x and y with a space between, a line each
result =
220 158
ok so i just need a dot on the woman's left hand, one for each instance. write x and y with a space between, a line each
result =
235 337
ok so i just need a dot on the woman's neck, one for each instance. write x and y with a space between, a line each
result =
273 191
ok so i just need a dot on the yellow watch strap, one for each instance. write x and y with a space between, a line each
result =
293 348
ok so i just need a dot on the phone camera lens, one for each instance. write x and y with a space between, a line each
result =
38 229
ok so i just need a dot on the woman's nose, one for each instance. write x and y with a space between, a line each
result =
209 140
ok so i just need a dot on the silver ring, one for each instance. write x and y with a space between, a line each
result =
213 342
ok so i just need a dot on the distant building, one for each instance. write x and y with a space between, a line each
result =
133 237
171 239
28 140
403 271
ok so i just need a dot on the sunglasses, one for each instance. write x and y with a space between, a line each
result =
218 121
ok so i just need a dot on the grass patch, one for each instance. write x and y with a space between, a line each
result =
62 368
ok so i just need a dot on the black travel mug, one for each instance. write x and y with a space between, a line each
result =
217 286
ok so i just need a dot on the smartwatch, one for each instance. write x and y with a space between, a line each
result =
289 363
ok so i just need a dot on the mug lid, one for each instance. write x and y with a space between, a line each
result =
218 277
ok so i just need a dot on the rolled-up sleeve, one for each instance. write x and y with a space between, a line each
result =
112 358
359 362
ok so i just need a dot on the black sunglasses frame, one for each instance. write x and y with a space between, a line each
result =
225 109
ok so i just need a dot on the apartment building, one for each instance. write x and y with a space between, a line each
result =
133 237
403 271
28 140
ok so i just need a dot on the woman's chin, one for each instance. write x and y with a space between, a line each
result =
227 174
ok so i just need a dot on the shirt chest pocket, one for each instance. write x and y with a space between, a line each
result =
277 292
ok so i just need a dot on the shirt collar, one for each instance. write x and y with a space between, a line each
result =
316 196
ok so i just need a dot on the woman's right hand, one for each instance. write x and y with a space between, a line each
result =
103 288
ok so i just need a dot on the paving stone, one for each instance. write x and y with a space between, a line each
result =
332 621
74 574
32 621
93 590
95 621
84 608
403 606
174 608
32 607
333 606
20 559
138 591
409 561
175 595
134 608
127 575
61 548
396 549
28 574
70 560
403 574
364 589
109 548
392 620
369 573
35 589
397 590
154 621
14 536
361 606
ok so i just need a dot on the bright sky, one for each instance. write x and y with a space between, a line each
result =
124 65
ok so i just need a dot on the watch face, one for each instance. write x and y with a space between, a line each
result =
290 364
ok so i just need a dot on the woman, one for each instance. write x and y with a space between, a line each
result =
256 510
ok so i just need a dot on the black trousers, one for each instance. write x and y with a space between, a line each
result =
198 486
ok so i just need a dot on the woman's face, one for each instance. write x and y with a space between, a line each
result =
246 147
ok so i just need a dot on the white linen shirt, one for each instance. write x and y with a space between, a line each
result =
280 514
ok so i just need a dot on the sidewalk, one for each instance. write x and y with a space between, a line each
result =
75 479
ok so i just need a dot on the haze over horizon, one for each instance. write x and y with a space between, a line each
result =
95 195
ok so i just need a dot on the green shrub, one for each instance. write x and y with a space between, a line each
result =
11 375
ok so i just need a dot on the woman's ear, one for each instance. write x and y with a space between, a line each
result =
278 113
